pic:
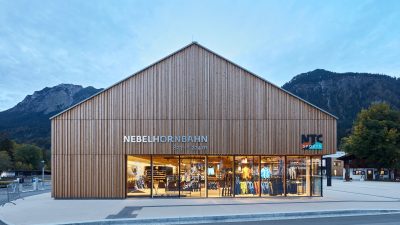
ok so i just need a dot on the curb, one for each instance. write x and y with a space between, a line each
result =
236 218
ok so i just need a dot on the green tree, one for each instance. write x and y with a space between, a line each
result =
28 157
8 146
375 137
5 161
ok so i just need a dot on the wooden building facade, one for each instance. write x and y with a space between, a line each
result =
192 92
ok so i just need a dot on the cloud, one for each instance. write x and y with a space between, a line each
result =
99 42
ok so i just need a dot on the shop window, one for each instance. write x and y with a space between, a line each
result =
298 176
192 175
272 176
165 176
316 177
138 176
358 172
220 176
247 178
336 163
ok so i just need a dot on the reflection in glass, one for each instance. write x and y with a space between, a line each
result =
247 179
138 176
165 176
316 177
220 176
192 173
272 176
297 175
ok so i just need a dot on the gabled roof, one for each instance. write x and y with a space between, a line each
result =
187 46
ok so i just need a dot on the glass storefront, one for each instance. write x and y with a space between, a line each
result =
192 173
247 176
138 176
165 176
197 176
220 176
316 176
298 176
272 176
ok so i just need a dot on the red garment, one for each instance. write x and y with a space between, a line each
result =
257 187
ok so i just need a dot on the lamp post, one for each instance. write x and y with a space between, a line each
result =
43 165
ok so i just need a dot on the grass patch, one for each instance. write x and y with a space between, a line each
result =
4 183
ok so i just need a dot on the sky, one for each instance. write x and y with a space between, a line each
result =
97 43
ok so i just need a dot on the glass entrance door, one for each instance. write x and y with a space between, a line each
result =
192 176
166 176
220 176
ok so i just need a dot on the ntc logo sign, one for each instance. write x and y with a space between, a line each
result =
311 142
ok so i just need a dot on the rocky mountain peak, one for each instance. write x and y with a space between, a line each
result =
28 121
345 94
53 99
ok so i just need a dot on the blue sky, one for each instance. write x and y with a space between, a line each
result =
96 43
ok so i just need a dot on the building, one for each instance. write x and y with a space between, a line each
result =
193 124
337 166
359 169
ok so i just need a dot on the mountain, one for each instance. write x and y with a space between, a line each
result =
28 121
345 94
342 94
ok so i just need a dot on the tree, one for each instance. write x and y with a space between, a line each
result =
28 157
375 136
5 161
8 146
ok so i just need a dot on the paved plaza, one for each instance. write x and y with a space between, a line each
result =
356 195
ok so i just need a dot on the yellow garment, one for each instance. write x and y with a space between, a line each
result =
243 187
246 173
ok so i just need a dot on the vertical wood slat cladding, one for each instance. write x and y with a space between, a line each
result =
192 92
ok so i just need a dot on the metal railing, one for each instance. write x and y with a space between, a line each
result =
13 192
16 190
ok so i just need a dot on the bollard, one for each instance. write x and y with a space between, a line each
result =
328 172
34 185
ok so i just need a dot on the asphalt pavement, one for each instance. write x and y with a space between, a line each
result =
386 219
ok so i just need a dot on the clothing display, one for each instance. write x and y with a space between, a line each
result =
191 186
192 176
280 167
257 187
246 187
265 188
210 171
292 187
227 185
265 172
212 185
243 187
220 176
246 173
292 173
276 186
